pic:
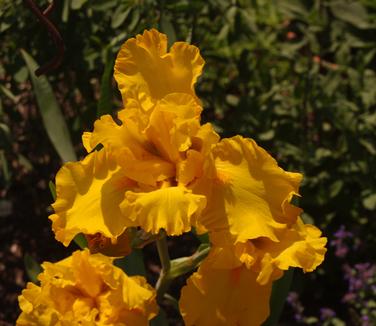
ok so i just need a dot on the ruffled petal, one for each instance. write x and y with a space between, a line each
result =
144 66
300 245
88 196
250 194
114 136
172 124
87 290
134 153
231 297
171 209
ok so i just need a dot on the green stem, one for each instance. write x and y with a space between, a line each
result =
164 279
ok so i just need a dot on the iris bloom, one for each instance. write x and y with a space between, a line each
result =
86 289
234 282
256 234
151 157
156 167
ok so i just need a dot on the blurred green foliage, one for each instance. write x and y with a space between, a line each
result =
298 76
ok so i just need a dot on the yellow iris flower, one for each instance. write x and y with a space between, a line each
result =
159 168
233 285
86 289
144 174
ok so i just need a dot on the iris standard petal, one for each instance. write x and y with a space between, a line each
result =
143 65
173 122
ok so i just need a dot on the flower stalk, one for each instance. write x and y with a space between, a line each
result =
164 279
177 267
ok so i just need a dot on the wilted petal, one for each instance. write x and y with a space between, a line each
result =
97 243
171 209
231 297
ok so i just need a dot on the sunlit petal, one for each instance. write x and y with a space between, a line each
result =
231 297
250 194
143 65
88 196
169 208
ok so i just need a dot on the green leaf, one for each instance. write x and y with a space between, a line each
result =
280 290
135 19
104 5
24 162
33 269
77 4
105 99
52 116
335 188
351 12
233 100
65 13
369 202
368 146
294 8
204 237
308 219
172 301
167 28
160 319
52 187
119 16
80 240
4 167
267 135
133 264
8 93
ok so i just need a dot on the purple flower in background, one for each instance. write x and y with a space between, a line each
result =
296 305
365 321
326 313
342 233
349 297
361 289
341 248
